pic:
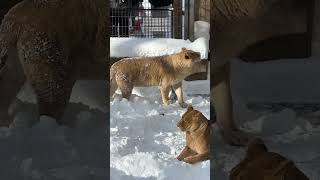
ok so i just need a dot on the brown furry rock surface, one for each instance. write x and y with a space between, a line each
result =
259 163
57 43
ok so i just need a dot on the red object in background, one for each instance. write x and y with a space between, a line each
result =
137 24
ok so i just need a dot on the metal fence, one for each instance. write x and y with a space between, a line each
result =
139 18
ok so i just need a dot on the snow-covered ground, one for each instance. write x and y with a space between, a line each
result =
52 152
279 101
145 140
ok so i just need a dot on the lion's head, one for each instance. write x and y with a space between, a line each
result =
192 121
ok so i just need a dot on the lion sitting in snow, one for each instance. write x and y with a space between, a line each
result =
164 71
197 128
57 42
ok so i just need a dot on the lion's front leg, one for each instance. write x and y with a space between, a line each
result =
196 158
222 101
179 93
184 153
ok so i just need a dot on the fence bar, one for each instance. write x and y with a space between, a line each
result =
177 11
191 19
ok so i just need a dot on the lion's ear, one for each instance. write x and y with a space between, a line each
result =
190 108
183 49
255 148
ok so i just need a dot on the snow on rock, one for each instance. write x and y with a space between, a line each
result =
137 47
201 29
145 140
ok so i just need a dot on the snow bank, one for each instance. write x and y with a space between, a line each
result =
145 140
135 47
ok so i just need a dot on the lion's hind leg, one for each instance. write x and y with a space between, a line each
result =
125 86
48 71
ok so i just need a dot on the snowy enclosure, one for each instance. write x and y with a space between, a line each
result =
144 138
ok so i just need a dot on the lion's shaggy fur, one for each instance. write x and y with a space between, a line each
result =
58 42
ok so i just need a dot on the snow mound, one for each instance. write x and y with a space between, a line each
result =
138 165
137 47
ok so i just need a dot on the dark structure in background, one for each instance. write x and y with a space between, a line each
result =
287 46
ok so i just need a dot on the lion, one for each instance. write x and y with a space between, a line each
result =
197 128
57 42
259 163
164 71
237 24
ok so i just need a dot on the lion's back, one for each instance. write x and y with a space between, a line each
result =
77 24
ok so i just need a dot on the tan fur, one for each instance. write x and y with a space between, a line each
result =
197 129
57 42
238 24
164 71
259 163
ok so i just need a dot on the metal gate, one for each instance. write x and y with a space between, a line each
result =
144 19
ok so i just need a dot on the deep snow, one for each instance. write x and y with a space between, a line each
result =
278 101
